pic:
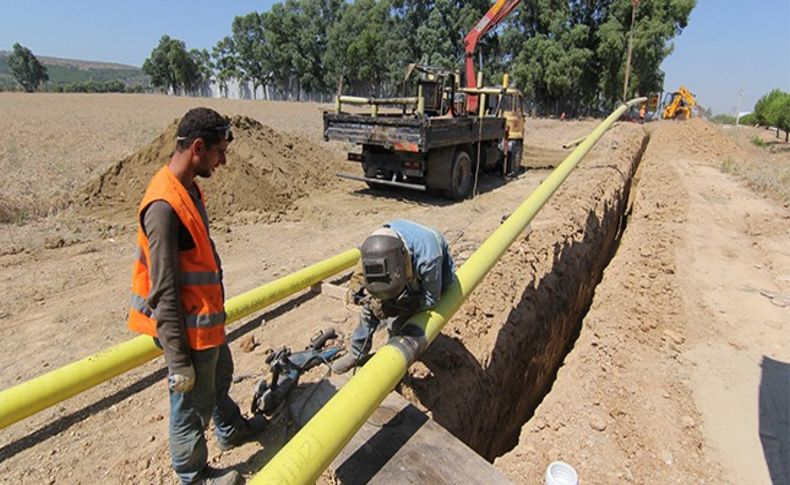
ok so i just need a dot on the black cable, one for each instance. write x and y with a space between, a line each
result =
364 345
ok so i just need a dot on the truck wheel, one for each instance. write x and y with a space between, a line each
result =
461 178
371 172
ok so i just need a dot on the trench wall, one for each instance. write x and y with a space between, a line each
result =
486 373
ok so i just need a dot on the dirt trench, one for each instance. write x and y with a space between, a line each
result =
484 376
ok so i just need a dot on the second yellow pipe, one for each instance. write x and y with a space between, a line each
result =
32 396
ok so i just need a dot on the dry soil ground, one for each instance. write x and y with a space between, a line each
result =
659 361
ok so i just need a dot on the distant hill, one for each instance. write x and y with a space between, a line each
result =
69 71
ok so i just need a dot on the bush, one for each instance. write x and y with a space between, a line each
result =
757 141
91 87
723 119
748 120
773 109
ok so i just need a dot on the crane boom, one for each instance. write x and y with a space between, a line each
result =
491 19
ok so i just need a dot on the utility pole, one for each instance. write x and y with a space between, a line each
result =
634 4
740 103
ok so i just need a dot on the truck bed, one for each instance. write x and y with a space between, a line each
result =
411 134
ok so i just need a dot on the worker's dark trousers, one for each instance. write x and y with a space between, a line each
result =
362 338
190 412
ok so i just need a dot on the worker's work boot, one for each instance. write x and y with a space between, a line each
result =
212 476
248 431
346 363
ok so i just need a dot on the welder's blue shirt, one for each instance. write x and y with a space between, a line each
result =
430 256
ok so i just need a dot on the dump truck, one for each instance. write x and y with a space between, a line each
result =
439 139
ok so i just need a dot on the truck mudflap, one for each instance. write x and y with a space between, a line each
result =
392 183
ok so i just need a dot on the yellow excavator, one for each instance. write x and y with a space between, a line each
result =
679 105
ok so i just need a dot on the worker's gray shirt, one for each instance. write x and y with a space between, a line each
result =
167 235
432 264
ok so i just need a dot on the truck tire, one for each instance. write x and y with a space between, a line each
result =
461 177
371 172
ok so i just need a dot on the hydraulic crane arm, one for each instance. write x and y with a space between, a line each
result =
491 19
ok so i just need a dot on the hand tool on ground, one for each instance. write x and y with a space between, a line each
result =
286 367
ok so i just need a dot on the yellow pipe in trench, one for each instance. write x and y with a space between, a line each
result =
30 397
312 449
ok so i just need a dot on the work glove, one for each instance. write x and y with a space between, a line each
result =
356 287
182 381
383 309
409 303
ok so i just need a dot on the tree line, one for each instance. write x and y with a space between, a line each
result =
772 110
565 55
31 75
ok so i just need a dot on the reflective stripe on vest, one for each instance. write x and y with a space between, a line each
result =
191 320
139 304
200 277
205 320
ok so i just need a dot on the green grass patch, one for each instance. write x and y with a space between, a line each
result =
728 165
759 142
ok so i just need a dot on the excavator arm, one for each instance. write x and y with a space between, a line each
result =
491 19
688 98
682 102
671 109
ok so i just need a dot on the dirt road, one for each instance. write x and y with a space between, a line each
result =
693 295
662 384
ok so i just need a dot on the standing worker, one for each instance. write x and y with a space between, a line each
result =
642 113
178 298
404 268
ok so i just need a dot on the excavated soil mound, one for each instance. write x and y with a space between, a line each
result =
266 172
701 138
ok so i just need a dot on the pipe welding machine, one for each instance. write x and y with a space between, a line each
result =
286 367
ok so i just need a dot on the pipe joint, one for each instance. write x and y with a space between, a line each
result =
410 345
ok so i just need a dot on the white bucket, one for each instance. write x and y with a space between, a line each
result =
560 473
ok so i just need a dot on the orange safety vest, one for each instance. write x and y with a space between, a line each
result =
201 279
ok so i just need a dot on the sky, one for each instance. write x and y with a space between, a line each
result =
116 31
728 46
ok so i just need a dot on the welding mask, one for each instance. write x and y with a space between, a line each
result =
386 264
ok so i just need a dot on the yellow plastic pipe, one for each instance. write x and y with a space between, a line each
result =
30 397
263 296
312 449
493 91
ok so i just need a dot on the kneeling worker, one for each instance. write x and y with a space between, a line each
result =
405 267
